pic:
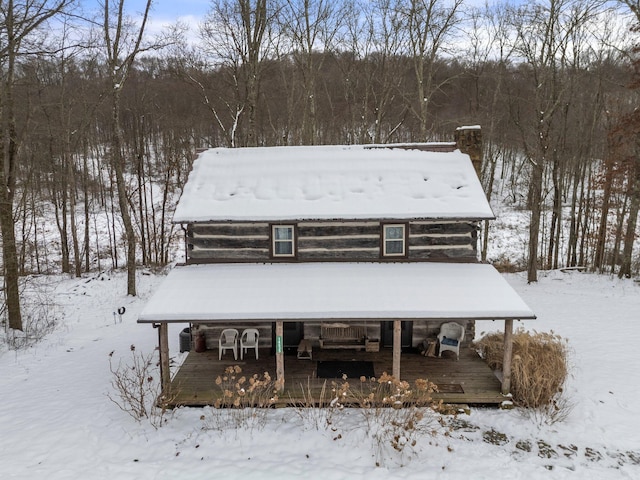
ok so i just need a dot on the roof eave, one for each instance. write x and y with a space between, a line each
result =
386 219
340 318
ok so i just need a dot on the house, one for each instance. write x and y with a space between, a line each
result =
360 247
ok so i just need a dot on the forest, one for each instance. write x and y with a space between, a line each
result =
101 115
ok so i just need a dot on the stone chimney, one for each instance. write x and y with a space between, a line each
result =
469 140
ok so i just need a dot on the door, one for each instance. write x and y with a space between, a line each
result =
386 329
292 333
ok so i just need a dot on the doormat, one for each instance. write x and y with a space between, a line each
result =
449 388
352 369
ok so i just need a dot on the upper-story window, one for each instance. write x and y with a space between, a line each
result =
393 240
283 240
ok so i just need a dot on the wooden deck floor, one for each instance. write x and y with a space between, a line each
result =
467 381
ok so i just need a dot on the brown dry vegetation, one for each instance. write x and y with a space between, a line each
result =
539 368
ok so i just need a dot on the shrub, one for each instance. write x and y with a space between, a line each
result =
539 367
41 315
243 402
395 413
238 391
137 390
505 264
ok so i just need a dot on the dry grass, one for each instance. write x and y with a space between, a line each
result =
395 415
506 265
539 368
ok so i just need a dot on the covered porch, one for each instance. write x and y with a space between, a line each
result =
229 294
467 381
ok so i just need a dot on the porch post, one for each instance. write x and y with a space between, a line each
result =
279 355
508 354
397 348
163 344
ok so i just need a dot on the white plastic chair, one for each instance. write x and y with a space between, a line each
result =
249 339
450 337
228 341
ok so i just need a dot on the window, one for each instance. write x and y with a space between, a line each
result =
283 240
393 240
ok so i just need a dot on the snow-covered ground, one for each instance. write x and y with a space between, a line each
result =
57 422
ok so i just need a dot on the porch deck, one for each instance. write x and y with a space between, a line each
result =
467 381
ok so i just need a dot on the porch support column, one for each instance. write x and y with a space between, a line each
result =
508 354
279 355
163 344
397 348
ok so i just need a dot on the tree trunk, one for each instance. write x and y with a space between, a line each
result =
615 253
556 216
9 256
85 194
598 261
77 262
576 209
535 197
8 159
629 237
142 211
117 156
585 217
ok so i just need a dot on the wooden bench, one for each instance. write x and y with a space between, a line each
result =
305 351
342 335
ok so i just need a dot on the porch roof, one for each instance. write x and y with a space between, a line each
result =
333 291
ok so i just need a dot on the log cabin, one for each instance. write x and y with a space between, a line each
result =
359 247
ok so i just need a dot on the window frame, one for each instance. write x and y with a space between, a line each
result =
402 240
292 240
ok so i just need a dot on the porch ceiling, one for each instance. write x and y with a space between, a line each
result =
338 291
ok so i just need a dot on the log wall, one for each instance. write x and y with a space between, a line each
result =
331 241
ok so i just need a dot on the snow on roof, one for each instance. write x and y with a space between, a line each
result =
330 182
321 291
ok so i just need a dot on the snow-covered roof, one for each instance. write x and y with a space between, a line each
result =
331 182
344 291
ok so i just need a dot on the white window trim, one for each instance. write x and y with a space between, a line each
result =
385 239
292 241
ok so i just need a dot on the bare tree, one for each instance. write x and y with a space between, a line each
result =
123 42
545 34
374 66
18 23
488 59
235 34
629 133
634 6
386 66
311 27
429 25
